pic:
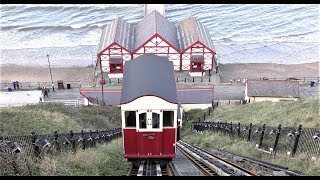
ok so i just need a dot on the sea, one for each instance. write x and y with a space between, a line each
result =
241 33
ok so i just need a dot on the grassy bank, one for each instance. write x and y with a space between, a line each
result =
104 160
291 113
305 112
209 140
46 118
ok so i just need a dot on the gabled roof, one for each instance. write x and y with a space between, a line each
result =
191 30
273 88
184 95
150 75
152 24
118 31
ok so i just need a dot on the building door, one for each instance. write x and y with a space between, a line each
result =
149 140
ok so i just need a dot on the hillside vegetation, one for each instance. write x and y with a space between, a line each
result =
290 113
104 160
46 118
305 112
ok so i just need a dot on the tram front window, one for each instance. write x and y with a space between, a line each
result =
155 120
143 120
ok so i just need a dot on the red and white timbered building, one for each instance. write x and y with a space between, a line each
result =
115 46
197 48
155 34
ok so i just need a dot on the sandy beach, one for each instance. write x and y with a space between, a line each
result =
10 72
270 70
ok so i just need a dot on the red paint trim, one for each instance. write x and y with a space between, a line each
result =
204 46
108 48
105 90
85 96
144 96
134 52
135 156
163 39
180 62
119 90
175 48
214 53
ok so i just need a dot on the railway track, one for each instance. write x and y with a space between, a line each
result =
211 165
151 168
227 164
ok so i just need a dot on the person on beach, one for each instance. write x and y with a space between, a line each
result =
14 84
17 84
45 92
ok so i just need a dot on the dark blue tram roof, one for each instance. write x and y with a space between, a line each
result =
151 75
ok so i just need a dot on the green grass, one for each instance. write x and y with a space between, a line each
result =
104 160
46 118
305 112
291 113
209 140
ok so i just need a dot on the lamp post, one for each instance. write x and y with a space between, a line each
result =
50 74
102 82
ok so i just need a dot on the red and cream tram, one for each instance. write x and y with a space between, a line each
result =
150 110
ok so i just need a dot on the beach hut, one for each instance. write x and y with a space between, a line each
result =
115 46
196 46
155 34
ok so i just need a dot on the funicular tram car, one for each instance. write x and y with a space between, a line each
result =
151 114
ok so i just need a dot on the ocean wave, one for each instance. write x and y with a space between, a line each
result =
56 28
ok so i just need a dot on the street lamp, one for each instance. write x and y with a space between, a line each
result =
50 73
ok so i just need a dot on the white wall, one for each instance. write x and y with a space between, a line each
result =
272 99
20 98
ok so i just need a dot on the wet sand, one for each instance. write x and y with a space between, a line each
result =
11 73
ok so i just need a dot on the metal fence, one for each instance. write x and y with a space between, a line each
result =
301 80
269 139
15 151
36 85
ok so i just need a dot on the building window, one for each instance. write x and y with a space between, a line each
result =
168 118
155 120
130 118
143 120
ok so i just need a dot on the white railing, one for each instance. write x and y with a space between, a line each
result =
75 103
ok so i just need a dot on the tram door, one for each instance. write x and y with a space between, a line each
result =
149 140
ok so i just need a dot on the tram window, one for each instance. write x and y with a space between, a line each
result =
155 120
143 120
130 118
168 117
